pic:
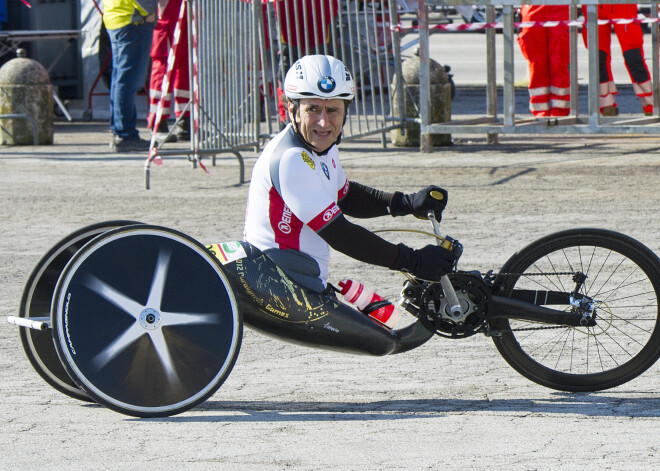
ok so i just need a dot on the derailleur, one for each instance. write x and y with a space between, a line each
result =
427 301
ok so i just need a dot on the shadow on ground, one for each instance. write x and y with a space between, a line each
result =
587 405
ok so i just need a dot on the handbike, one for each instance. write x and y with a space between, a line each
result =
148 322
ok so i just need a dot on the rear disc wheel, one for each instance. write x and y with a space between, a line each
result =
145 321
36 301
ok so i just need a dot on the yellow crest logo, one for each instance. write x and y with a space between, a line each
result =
306 158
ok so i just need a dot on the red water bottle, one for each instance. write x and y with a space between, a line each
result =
370 303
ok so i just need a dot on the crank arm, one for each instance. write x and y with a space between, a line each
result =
508 308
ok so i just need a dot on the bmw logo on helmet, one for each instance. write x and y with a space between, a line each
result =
326 84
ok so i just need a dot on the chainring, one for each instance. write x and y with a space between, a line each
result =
474 297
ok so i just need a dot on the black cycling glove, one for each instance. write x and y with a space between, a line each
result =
429 263
432 198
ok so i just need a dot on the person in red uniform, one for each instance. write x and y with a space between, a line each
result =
168 16
631 38
547 49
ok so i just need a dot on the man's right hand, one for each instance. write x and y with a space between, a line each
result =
432 198
429 263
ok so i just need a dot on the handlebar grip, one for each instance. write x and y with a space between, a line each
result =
437 195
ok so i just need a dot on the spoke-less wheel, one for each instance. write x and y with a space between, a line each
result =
622 281
36 301
146 322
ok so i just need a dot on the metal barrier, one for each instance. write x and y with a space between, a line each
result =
359 32
492 124
243 49
222 46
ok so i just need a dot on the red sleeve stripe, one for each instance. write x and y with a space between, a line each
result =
327 215
343 191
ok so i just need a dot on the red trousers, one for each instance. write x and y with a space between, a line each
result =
547 50
160 48
631 38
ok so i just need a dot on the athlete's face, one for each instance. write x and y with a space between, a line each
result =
319 121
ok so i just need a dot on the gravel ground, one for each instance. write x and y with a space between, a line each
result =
446 405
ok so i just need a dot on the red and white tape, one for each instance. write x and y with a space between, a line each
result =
153 150
524 24
195 89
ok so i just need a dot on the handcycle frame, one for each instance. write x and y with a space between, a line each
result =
96 296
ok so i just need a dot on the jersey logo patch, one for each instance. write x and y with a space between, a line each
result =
285 223
330 213
325 170
308 160
323 218
227 251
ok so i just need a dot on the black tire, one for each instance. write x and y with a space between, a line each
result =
36 301
145 321
624 279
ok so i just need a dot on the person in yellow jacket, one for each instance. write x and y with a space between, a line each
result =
130 25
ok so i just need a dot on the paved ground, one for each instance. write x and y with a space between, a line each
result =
445 405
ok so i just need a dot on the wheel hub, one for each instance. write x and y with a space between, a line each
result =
150 319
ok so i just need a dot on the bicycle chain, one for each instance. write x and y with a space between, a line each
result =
534 328
491 274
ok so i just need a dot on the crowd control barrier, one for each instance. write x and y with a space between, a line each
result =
241 50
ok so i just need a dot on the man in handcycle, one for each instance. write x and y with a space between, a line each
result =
297 202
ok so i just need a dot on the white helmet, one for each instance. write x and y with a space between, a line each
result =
319 76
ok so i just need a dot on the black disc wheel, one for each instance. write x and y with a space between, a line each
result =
622 278
146 322
36 301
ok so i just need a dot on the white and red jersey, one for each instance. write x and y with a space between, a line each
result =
293 195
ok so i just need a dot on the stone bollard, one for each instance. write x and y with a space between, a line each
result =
440 105
25 90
